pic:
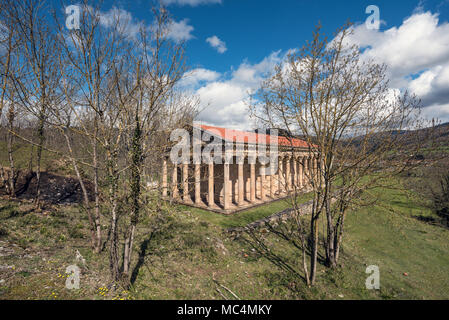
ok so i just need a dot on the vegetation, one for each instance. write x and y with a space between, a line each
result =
343 107
190 249
441 199
101 99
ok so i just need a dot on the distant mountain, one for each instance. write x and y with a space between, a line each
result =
437 138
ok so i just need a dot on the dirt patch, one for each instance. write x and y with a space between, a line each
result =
55 189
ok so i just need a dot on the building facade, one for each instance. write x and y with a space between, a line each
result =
241 179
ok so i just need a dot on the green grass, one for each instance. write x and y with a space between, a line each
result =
441 147
22 155
390 236
182 252
244 217
39 247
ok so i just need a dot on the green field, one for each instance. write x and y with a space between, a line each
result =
184 253
23 153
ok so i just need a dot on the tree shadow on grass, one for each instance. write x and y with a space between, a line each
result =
256 239
434 221
10 211
141 260
163 230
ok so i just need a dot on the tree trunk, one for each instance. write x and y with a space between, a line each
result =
136 160
128 251
314 234
331 229
40 133
339 236
330 239
113 188
113 249
314 253
304 260
4 179
96 189
94 241
12 177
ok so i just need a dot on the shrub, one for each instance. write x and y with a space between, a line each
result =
3 232
441 199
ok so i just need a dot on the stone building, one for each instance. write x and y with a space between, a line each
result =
240 181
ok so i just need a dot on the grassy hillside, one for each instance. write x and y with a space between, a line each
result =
23 152
186 254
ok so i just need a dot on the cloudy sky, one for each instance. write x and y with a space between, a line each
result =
232 44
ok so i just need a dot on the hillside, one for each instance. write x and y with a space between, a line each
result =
188 255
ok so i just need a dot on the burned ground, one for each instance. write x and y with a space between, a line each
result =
55 189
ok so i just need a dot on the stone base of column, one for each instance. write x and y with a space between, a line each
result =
233 208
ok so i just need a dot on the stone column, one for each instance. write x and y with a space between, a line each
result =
197 183
306 171
295 171
240 182
164 177
322 171
281 175
252 182
288 175
211 195
235 185
262 184
313 168
272 190
185 183
174 181
300 172
226 187
310 169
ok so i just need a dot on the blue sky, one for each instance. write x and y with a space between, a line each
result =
231 44
252 29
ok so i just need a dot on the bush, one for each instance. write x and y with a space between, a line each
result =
3 232
441 199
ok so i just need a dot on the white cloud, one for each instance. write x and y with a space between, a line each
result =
224 102
192 3
180 31
440 112
420 42
432 86
416 52
126 23
417 56
216 43
198 76
177 31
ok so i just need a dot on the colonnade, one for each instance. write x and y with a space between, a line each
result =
234 186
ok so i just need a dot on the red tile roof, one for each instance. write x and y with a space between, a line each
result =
252 137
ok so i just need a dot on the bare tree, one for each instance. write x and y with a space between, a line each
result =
88 55
9 72
125 83
109 91
37 89
156 68
343 107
